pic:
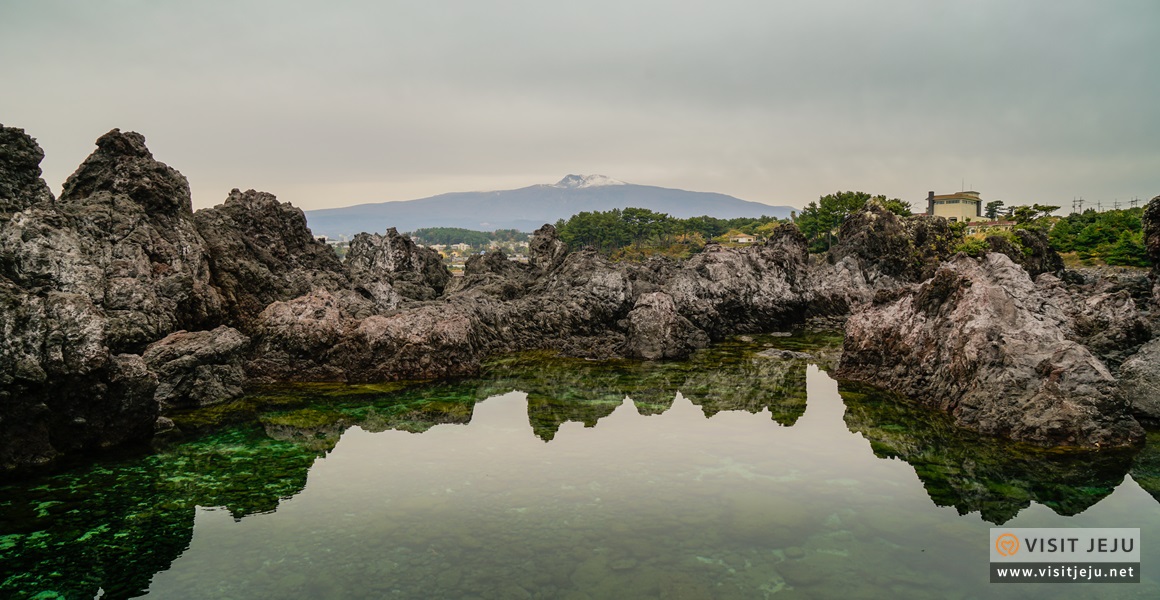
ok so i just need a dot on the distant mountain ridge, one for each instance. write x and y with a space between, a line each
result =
530 207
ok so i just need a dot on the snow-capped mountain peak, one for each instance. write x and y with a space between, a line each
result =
586 181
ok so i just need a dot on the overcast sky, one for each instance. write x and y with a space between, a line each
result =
337 103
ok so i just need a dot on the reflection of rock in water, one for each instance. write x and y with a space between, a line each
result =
728 376
315 429
1146 468
972 472
113 527
753 385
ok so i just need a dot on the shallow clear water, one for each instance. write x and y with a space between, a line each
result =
731 475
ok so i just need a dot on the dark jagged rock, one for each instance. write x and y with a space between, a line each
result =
20 183
335 337
1036 254
110 267
414 272
261 251
581 308
1140 381
1103 314
493 274
1151 221
979 342
884 244
120 235
119 262
723 291
197 368
1110 325
545 249
123 166
656 330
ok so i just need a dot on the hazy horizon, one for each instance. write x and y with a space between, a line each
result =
780 103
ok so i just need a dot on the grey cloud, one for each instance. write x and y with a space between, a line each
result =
770 101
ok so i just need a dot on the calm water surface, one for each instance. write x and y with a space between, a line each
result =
732 475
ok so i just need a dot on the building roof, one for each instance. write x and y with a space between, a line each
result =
959 196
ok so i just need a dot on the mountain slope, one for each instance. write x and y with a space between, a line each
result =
530 207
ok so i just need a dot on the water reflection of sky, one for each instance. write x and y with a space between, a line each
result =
667 505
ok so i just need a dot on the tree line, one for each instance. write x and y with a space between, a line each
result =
456 235
638 229
1115 236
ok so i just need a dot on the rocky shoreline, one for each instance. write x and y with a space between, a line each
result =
119 303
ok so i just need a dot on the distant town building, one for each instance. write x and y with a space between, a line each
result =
962 206
462 247
740 238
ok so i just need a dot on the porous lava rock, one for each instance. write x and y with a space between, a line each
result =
907 249
261 251
414 272
656 330
1151 222
1034 252
20 183
198 368
1140 381
979 342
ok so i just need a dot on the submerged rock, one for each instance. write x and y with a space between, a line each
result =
979 342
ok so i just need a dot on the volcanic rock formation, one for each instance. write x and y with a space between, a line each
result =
118 302
981 342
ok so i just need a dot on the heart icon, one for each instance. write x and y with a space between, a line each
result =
1007 544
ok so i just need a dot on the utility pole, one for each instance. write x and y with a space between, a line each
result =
1135 201
1116 204
1081 204
1099 206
